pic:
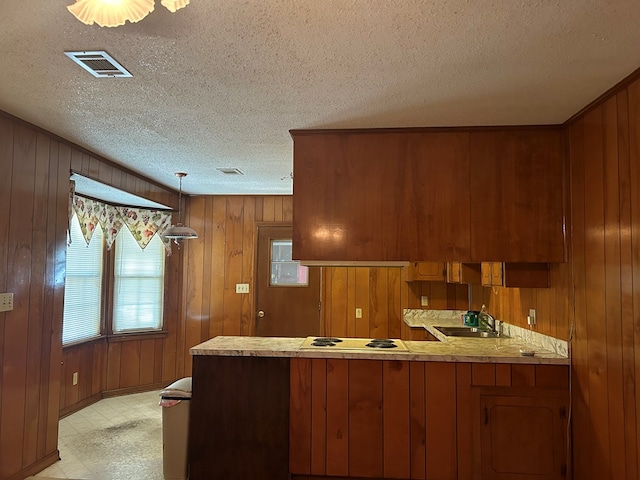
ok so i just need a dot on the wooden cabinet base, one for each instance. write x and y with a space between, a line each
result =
521 433
255 418
239 419
332 477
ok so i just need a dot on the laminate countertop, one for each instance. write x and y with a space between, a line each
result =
450 349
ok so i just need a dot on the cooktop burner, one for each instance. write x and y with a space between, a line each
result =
381 343
325 342
333 343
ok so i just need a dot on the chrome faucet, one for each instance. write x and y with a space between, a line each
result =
489 321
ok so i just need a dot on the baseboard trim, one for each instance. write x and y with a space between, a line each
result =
137 389
37 467
69 409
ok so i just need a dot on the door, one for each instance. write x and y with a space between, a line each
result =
287 293
522 434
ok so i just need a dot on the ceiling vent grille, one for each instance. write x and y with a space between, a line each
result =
98 64
230 171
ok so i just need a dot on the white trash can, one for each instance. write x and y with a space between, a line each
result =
175 400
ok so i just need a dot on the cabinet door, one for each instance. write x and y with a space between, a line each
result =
517 275
486 274
458 272
497 277
425 271
492 274
522 435
453 272
517 182
380 196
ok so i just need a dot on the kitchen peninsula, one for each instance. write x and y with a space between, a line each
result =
466 409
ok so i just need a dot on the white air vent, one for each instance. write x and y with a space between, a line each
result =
98 64
230 171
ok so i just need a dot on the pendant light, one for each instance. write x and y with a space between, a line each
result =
179 232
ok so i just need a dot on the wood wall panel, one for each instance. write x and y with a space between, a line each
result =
396 418
417 436
318 416
300 415
337 417
626 286
604 160
365 418
223 255
440 424
35 373
382 294
30 245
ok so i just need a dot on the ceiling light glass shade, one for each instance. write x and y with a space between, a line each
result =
173 5
111 13
179 231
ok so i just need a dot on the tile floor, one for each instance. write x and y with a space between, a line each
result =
117 438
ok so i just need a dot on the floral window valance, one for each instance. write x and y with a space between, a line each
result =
141 222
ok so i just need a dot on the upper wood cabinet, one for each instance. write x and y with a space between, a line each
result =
517 212
522 275
372 196
459 272
425 271
427 195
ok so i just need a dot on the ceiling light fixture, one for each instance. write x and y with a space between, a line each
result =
179 232
113 13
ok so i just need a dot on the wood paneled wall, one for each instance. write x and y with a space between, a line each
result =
604 151
34 189
554 305
34 193
223 255
382 294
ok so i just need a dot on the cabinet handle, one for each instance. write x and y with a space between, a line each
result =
486 416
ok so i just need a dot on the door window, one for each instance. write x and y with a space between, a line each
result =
284 270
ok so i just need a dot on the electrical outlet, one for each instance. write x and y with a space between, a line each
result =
358 313
531 318
6 302
75 378
242 288
424 301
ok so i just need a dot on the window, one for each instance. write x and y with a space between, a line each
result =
284 270
138 284
83 286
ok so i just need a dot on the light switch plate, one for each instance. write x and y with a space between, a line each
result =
358 313
242 288
6 302
424 301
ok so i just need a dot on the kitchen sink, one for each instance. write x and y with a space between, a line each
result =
469 332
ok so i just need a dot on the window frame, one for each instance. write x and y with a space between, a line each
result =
107 305
103 306
109 332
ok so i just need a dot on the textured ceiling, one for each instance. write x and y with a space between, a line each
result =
220 83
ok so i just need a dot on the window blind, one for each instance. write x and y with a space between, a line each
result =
83 286
139 284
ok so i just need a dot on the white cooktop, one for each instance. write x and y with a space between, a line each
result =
353 344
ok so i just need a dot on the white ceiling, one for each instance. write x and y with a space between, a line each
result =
221 82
